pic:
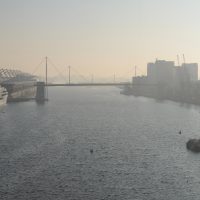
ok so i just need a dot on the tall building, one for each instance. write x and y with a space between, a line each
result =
151 73
160 72
165 72
190 71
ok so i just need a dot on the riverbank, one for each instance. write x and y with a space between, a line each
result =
184 93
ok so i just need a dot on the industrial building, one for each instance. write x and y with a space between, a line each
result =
165 72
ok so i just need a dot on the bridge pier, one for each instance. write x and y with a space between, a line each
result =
41 92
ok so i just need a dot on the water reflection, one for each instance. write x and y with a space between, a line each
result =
137 151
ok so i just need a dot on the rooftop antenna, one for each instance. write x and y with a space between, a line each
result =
178 60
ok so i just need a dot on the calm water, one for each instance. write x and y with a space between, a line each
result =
137 151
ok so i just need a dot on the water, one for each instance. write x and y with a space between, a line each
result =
137 150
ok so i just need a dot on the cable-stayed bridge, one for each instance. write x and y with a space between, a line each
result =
23 86
87 84
67 77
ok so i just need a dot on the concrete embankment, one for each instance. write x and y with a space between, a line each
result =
21 91
188 93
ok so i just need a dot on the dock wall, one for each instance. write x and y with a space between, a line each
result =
22 91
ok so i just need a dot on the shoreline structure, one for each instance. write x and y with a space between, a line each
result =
165 81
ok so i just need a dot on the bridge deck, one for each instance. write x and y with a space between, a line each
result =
89 84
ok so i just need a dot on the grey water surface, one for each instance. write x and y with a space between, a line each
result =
138 153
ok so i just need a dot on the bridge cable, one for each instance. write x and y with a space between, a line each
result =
37 67
59 73
85 79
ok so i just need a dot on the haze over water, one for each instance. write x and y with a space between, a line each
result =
102 38
137 151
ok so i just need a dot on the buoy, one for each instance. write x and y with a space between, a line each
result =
180 132
91 150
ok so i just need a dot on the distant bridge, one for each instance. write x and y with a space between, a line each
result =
23 86
87 84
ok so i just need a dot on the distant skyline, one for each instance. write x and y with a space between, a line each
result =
99 37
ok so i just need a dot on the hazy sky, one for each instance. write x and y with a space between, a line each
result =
99 37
